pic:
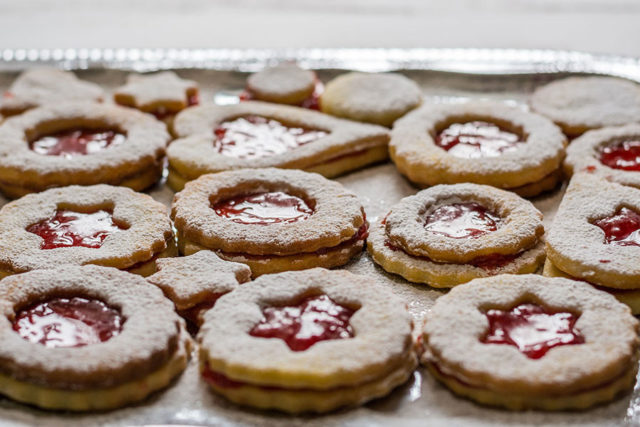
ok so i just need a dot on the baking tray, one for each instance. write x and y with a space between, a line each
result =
445 75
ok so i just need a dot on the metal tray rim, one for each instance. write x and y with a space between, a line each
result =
455 60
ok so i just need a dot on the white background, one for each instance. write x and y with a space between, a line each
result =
611 26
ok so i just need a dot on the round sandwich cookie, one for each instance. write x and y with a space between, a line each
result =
195 282
256 134
100 224
450 234
325 340
284 83
595 237
87 338
46 86
482 142
368 97
532 342
579 104
80 144
162 94
270 219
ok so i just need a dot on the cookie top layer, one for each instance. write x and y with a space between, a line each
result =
336 214
578 104
578 246
146 228
457 325
373 98
285 83
380 343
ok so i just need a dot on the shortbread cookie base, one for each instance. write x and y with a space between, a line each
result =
581 400
332 257
139 181
97 399
149 267
444 275
329 169
306 400
630 297
547 183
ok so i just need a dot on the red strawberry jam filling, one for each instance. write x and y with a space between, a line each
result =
314 319
462 221
622 229
264 208
76 142
68 322
477 139
623 155
68 228
255 136
531 328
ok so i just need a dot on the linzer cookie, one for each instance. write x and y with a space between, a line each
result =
46 86
308 341
161 94
449 234
595 237
482 142
101 224
372 98
578 104
610 153
195 282
284 83
256 134
270 219
80 144
87 338
532 342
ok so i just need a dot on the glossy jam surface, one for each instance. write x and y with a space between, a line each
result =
623 155
255 136
264 208
477 139
76 142
462 220
622 229
532 329
64 322
315 319
68 228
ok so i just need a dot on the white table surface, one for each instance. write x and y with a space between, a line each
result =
610 26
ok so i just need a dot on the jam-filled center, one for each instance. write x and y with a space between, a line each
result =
315 319
462 220
68 322
532 329
623 228
68 228
74 142
264 208
477 139
623 155
255 136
